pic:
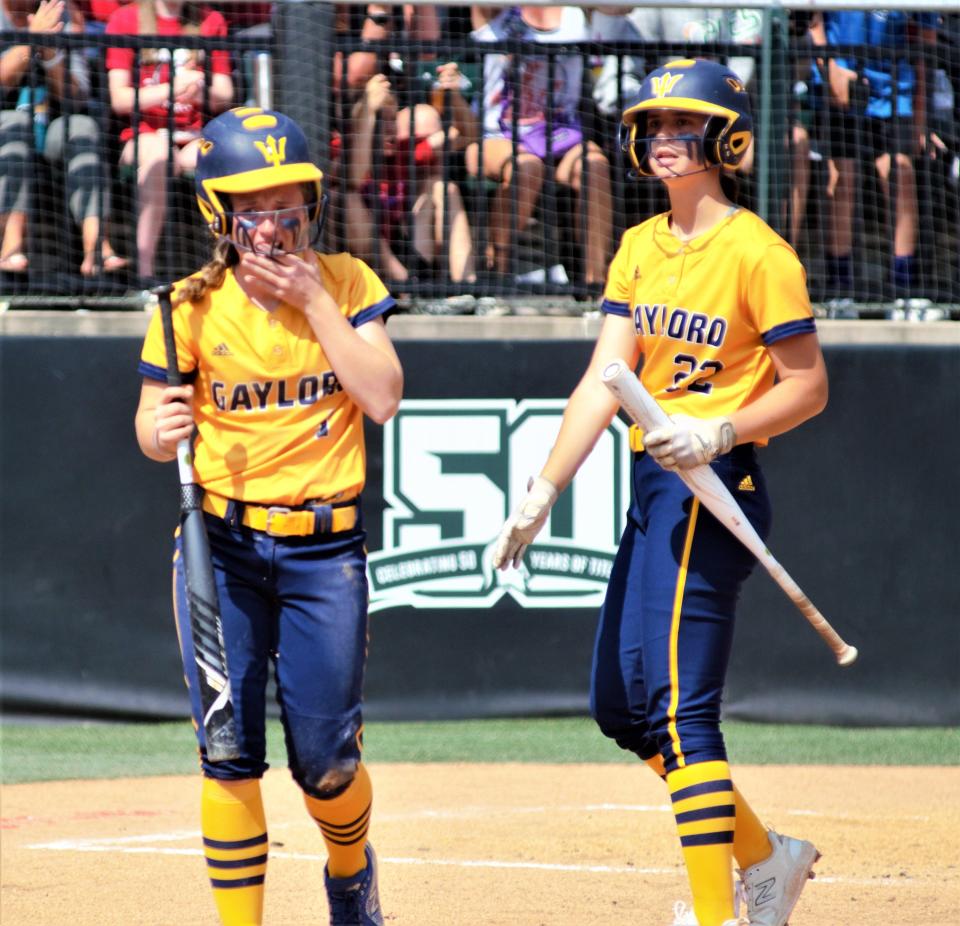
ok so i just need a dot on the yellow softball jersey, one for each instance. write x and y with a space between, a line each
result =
274 425
705 310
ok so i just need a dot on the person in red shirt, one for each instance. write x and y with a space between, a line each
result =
97 11
411 208
188 72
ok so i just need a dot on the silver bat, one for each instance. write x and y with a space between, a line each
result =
206 630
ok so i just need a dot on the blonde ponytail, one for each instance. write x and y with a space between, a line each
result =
211 274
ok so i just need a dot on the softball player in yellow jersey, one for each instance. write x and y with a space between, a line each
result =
283 351
716 305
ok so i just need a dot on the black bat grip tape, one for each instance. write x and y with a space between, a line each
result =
169 341
191 497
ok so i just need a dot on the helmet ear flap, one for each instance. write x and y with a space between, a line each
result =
713 141
724 144
221 224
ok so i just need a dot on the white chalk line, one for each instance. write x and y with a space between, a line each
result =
860 818
151 844
475 811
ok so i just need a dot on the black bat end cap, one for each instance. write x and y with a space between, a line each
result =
164 289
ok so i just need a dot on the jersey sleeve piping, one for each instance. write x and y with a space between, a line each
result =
789 329
151 371
385 307
615 308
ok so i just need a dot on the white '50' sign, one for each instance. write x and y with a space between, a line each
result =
454 469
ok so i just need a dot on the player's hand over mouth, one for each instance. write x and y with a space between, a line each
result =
286 277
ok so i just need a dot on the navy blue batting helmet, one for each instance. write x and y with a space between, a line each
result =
249 149
692 85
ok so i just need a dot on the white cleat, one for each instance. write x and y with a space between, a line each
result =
684 915
772 887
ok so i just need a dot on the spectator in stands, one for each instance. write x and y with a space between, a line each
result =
945 100
42 87
802 118
876 106
420 231
527 151
189 73
375 24
96 13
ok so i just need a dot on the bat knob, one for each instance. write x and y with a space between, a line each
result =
164 289
612 370
848 657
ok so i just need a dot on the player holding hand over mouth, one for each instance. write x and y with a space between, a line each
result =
284 350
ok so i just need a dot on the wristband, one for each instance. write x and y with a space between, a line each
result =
728 437
50 63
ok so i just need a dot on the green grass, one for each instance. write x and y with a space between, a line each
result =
58 751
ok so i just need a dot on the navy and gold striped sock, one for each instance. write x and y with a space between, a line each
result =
750 841
235 844
344 821
703 804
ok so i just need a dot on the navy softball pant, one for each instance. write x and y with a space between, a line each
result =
299 603
666 627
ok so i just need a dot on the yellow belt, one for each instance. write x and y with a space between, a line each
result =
280 521
636 439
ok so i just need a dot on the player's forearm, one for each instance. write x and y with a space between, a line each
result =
589 412
146 429
791 402
371 376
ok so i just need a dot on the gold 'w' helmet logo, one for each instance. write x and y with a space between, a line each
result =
663 84
273 153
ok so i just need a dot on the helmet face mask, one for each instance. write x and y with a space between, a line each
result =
294 228
249 149
638 143
289 225
696 86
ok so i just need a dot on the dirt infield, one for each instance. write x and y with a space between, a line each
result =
484 845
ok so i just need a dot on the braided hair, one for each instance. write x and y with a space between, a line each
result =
211 274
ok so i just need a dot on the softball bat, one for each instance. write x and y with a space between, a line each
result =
716 498
206 629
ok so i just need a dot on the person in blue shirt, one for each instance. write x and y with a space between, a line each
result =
876 103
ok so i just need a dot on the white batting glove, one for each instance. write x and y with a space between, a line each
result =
525 523
689 442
